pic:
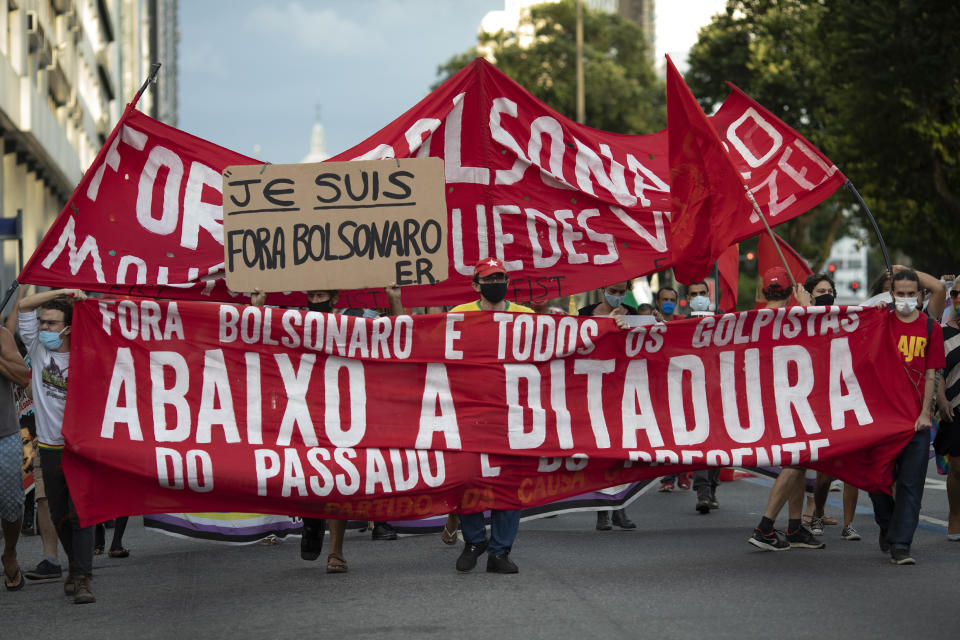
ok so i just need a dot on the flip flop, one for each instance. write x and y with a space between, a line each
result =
17 586
447 536
336 564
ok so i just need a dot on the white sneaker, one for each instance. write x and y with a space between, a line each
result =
849 533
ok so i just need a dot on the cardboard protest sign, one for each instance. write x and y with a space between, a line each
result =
334 225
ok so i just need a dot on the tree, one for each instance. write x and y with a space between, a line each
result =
622 92
873 84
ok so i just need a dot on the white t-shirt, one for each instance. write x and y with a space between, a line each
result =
49 377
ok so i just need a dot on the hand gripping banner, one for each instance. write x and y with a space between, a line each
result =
197 407
566 207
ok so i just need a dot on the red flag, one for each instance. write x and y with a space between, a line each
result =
767 257
707 199
728 267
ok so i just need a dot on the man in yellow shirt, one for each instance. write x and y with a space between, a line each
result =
490 281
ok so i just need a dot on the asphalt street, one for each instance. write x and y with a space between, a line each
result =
678 575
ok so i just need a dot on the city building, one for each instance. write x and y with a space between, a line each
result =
67 70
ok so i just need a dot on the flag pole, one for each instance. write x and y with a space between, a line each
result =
883 247
773 237
154 69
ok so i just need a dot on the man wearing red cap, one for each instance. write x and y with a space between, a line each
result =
789 484
490 281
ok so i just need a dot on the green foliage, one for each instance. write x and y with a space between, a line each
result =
622 92
872 83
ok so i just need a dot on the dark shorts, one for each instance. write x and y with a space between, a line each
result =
947 442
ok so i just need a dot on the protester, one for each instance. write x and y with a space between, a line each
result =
948 401
788 486
667 308
490 281
13 370
705 481
919 340
611 299
311 537
48 343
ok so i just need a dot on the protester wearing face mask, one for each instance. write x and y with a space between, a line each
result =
490 281
698 298
919 340
47 338
822 289
311 539
667 303
611 299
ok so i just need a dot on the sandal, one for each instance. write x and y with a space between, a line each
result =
447 536
16 586
119 553
336 563
98 550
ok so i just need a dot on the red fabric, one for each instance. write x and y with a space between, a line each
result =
708 200
186 407
564 206
768 258
918 350
728 268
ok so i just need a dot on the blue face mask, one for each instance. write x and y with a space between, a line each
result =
668 307
51 339
613 301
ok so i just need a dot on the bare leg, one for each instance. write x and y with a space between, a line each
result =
788 487
850 496
953 496
821 488
48 535
11 533
337 529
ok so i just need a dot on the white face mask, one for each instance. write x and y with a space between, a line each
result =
699 303
905 305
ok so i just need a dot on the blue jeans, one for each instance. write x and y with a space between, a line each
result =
900 517
503 530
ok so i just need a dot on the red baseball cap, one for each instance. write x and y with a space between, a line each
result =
776 276
488 266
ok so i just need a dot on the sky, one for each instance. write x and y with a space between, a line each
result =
252 72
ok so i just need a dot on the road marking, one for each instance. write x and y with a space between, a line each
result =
936 521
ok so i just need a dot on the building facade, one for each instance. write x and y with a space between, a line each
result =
67 70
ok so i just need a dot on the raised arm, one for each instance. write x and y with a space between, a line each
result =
32 302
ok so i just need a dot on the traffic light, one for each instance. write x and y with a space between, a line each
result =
831 267
751 256
854 286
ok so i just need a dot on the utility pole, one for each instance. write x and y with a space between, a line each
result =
581 105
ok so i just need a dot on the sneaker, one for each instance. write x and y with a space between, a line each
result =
773 541
714 504
501 564
83 594
683 481
603 521
901 556
46 570
803 539
816 525
666 487
383 531
468 557
884 545
849 533
311 540
703 504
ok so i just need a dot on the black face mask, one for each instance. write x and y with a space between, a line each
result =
824 300
325 307
493 291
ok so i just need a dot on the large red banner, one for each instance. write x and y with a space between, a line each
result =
567 208
186 406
